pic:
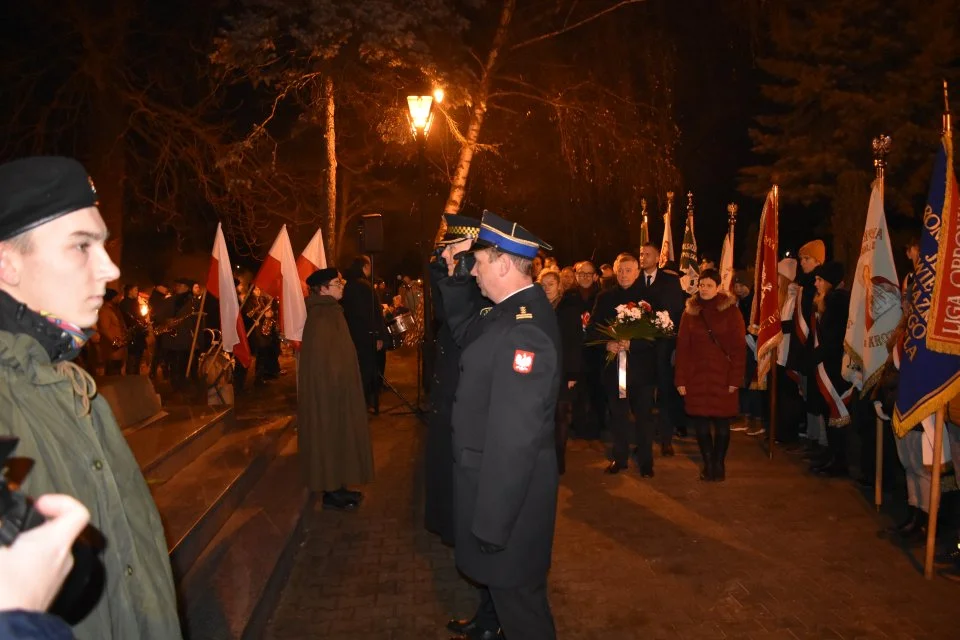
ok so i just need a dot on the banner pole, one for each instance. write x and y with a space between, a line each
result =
878 476
934 494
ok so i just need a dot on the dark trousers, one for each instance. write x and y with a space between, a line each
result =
524 612
791 410
486 616
669 402
639 400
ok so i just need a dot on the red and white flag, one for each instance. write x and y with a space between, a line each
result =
313 258
279 278
765 314
220 285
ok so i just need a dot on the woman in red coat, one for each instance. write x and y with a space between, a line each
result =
710 361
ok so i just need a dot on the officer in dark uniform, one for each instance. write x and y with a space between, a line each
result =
457 238
505 461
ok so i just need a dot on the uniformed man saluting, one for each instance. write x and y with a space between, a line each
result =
503 434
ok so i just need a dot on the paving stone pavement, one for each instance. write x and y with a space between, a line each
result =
771 553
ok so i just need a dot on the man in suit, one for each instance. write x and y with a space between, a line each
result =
641 369
662 290
505 461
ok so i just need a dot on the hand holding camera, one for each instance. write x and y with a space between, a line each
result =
34 567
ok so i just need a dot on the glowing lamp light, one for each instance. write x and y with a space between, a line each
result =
438 95
144 308
421 113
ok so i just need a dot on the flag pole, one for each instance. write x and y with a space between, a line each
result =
772 431
196 331
934 494
881 148
941 415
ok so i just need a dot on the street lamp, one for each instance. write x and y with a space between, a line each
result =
421 117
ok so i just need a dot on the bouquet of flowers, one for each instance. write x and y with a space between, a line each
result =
636 321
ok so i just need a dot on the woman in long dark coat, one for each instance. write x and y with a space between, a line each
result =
333 434
710 365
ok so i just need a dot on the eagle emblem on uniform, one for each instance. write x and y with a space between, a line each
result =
523 361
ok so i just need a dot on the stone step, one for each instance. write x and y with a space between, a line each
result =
165 446
232 589
196 501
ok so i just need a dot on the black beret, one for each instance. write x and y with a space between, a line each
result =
321 277
36 190
831 272
187 282
109 294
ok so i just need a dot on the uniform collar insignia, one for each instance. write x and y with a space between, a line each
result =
523 315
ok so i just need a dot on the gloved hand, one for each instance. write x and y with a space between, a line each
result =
465 261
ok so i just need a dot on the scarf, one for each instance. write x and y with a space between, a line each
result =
61 339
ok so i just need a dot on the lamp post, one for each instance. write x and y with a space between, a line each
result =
420 112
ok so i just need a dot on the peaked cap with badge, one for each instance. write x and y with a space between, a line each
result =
456 228
508 237
36 190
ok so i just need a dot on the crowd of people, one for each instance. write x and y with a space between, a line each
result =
521 352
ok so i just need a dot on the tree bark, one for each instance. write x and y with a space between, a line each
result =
458 186
331 140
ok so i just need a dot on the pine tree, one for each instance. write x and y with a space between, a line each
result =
841 73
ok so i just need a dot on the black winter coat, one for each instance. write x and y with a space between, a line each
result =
503 442
570 312
641 359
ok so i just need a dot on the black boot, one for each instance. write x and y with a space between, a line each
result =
908 523
721 443
837 445
705 442
916 533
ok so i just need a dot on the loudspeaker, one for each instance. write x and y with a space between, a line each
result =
371 233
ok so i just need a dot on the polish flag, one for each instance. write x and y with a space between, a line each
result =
220 285
278 278
313 258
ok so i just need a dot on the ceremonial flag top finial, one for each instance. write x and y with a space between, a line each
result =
689 203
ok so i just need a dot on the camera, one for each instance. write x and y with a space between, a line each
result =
83 587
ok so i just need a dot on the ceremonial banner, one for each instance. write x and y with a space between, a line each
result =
943 331
689 267
644 232
666 247
765 313
726 262
313 258
875 309
220 285
928 379
279 278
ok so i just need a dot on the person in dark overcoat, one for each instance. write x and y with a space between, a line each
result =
365 319
711 358
641 370
589 399
461 288
570 319
833 395
505 464
332 431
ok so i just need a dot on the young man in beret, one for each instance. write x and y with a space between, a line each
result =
54 270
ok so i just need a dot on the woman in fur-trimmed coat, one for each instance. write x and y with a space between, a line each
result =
710 362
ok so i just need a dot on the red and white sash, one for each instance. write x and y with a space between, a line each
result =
837 404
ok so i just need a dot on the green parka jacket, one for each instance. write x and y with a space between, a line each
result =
77 448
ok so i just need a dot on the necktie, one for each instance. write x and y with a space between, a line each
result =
648 279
